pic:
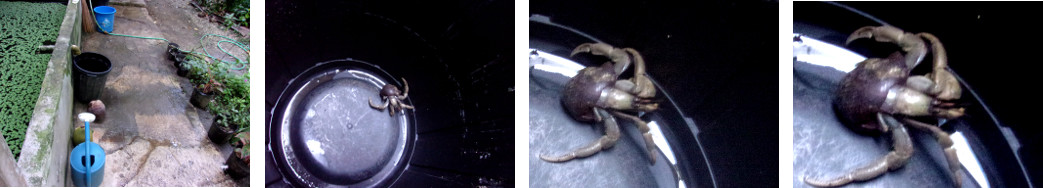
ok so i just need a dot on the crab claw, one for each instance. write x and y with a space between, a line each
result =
622 58
643 86
917 98
913 46
948 113
946 86
619 57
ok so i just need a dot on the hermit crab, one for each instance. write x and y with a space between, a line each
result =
880 95
597 94
392 97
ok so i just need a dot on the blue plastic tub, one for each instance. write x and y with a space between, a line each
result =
106 18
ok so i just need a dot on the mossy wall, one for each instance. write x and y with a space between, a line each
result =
23 27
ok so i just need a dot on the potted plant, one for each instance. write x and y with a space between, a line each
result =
232 108
205 92
208 84
220 131
239 161
183 68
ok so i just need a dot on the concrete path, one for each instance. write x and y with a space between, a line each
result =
152 136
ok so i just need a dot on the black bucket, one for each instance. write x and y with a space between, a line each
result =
97 3
89 75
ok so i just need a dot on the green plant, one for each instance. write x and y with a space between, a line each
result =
197 68
234 115
240 9
231 92
242 136
241 142
207 77
244 151
234 12
232 99
211 86
233 103
23 27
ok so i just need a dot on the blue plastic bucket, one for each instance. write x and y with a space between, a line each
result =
93 163
106 17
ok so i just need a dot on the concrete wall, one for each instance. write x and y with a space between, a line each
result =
7 162
45 152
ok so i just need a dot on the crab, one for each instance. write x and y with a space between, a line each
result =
392 98
881 96
597 94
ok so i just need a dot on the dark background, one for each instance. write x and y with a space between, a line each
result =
455 55
993 46
717 59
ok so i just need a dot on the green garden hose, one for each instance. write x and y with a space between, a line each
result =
239 64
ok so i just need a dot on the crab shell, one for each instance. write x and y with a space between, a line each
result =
389 90
593 87
865 92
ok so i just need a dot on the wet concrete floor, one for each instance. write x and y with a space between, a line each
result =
152 135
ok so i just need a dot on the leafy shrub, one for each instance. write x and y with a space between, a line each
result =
234 12
232 104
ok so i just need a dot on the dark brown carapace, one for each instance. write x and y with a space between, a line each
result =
390 90
864 90
583 91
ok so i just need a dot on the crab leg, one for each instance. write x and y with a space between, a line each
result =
640 103
381 107
946 86
910 43
903 149
405 106
643 87
643 127
947 146
405 93
394 106
620 59
605 142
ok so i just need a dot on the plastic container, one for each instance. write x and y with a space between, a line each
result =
460 131
90 75
80 165
105 15
200 99
312 129
99 3
237 168
219 134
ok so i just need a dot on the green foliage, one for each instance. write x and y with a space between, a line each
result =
204 75
196 68
244 153
241 142
23 27
232 104
234 12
